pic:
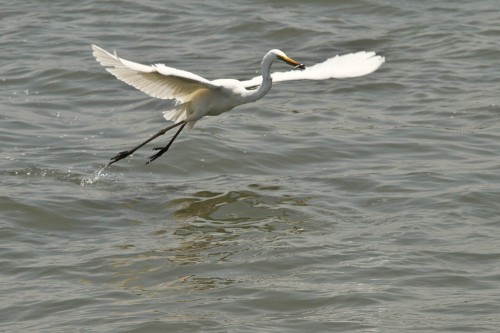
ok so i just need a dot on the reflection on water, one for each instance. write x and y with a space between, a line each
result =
237 207
207 229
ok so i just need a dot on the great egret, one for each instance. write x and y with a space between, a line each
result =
196 97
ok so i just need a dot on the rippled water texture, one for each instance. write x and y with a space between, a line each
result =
360 205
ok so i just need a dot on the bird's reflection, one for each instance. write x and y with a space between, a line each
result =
210 229
235 206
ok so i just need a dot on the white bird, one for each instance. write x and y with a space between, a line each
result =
196 97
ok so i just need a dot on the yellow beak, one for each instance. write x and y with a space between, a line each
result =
292 62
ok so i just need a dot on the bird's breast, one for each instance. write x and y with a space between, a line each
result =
209 102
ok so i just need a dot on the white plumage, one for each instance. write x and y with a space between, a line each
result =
196 97
338 67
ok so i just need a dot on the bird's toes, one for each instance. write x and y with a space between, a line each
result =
155 156
151 159
121 155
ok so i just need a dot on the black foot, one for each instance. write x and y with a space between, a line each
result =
161 151
120 156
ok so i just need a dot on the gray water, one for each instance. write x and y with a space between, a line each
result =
362 205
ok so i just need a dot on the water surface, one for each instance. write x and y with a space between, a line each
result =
360 205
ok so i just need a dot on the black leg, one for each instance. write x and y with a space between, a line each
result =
123 154
162 150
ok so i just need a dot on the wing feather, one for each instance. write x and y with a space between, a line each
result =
157 80
338 67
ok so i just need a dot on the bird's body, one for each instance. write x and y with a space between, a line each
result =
196 97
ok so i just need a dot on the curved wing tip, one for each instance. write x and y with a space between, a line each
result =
377 61
95 47
379 58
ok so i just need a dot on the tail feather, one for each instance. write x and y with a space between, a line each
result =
179 113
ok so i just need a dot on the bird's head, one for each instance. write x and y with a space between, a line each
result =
280 55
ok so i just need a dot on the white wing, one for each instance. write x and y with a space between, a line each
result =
156 80
338 67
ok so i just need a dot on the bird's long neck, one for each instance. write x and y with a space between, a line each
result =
267 82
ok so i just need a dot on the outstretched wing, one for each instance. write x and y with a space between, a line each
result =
338 67
156 80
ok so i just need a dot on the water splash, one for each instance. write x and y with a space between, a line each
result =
94 177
